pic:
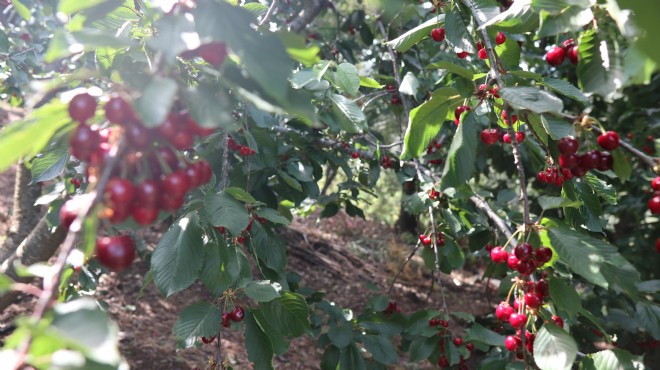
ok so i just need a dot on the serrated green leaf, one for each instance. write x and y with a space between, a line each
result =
161 90
241 195
214 273
330 358
381 348
227 212
200 319
269 248
519 18
341 335
49 166
421 348
592 75
547 202
557 128
648 315
571 19
509 53
257 344
73 6
5 283
263 291
480 334
348 114
273 216
615 359
621 166
347 79
565 297
457 32
451 67
179 256
417 34
532 99
425 122
603 189
536 124
565 88
462 154
295 46
350 358
288 314
554 348
209 107
170 40
370 82
22 10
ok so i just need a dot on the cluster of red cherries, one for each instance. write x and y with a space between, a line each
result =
524 258
654 202
427 240
591 160
490 136
433 147
236 315
245 151
443 362
557 54
387 162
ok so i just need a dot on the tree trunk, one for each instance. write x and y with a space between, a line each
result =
407 222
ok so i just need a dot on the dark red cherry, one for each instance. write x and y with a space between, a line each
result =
84 141
568 145
118 111
175 184
555 56
147 193
82 107
543 254
171 203
115 252
119 192
238 314
144 215
213 53
137 135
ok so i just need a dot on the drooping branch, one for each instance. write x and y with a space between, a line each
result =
653 162
499 222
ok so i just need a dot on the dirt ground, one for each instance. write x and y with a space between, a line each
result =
338 256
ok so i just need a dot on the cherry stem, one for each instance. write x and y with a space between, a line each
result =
403 265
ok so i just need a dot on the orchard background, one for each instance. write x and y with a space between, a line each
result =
222 155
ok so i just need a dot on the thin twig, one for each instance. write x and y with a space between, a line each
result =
437 262
403 265
499 222
395 67
653 162
268 13
225 160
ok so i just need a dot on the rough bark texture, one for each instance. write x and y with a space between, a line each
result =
312 9
24 214
38 246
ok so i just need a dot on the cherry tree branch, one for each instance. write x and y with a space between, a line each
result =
395 68
499 222
437 262
272 7
653 162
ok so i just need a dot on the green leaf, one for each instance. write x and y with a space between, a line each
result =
571 19
257 344
649 286
409 85
170 40
565 88
462 154
457 32
263 291
417 34
227 212
179 256
269 248
648 314
49 165
370 82
341 335
27 137
307 55
73 6
621 165
262 55
451 67
603 189
200 319
22 10
421 348
592 75
644 14
381 348
615 359
536 124
288 313
4 42
214 273
554 348
519 18
565 297
349 115
240 195
425 122
209 106
480 334
289 180
557 128
547 202
350 358
532 99
273 216
330 358
256 9
5 283
64 44
347 79
593 259
156 100
509 53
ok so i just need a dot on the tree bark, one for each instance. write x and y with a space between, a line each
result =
38 246
25 215
407 222
312 9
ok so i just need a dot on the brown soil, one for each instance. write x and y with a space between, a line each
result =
338 255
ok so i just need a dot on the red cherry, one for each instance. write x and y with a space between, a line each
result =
238 314
520 137
443 362
119 192
567 44
526 267
438 34
213 53
512 343
458 341
82 107
469 346
590 160
118 111
517 320
523 251
226 319
572 54
512 261
609 140
84 141
568 145
460 110
514 118
194 176
655 183
568 160
542 176
425 239
532 300
245 151
205 171
500 38
183 139
147 193
606 161
654 205
541 288
555 56
206 340
498 255
495 91
506 138
171 203
462 54
166 155
490 136
483 54
144 215
175 184
137 135
115 252
69 212
355 155
578 171
558 321
198 130
543 254
170 127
